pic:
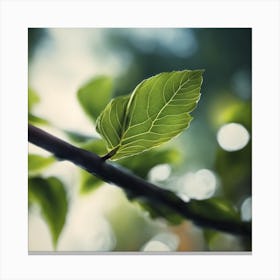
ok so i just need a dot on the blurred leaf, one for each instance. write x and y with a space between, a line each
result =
78 137
156 211
215 208
142 163
209 234
97 146
88 182
95 95
229 109
234 169
37 163
219 241
33 98
51 196
156 111
36 120
132 228
225 242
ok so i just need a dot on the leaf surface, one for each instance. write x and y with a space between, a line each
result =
95 95
38 163
35 120
88 182
33 98
50 195
77 137
157 110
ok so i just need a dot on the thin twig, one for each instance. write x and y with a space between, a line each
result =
132 184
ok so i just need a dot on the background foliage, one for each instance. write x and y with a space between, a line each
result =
65 66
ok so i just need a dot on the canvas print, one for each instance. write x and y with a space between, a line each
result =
139 140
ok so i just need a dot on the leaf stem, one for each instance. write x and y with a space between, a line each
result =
132 184
110 154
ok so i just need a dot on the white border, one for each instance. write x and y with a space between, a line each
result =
262 16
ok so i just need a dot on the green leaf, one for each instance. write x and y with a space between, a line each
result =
37 163
111 122
215 208
95 95
156 111
33 98
97 146
88 182
78 137
36 120
51 196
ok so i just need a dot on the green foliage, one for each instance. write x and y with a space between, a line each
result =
110 124
97 146
210 48
215 208
235 172
35 120
94 95
88 182
33 98
37 163
228 109
77 137
156 111
131 226
50 195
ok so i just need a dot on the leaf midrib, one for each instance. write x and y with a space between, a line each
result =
158 114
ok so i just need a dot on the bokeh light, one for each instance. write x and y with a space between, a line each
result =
160 172
199 185
233 137
162 242
246 209
156 246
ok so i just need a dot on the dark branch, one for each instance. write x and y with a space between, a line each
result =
132 184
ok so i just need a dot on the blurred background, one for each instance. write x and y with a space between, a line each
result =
210 159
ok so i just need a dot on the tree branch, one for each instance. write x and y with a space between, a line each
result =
132 184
